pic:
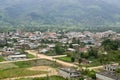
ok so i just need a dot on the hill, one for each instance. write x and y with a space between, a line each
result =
59 13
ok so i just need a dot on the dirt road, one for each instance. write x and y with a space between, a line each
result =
42 56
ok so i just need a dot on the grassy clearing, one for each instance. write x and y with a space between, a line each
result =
2 59
93 64
18 72
18 69
40 62
30 56
7 66
46 78
66 59
23 64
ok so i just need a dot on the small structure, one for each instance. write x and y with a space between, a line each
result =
109 73
111 67
68 73
43 51
71 49
17 56
83 49
7 51
51 45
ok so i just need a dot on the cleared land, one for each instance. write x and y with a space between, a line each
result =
66 59
45 78
25 69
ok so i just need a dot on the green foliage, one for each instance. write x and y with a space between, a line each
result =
66 59
2 59
92 53
59 49
30 56
93 15
92 74
72 59
23 64
117 70
17 72
110 44
89 73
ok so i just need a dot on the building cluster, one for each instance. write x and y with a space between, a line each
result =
13 41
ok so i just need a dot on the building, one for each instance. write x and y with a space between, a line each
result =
7 51
70 49
68 73
43 51
109 73
17 56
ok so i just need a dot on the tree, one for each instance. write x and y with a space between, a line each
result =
59 49
93 52
92 74
70 45
81 78
72 59
110 44
79 60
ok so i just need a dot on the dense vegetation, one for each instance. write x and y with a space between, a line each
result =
76 15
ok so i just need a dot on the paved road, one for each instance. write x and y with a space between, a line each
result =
51 58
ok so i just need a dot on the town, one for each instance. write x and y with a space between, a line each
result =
60 55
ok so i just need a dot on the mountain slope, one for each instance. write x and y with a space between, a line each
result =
90 13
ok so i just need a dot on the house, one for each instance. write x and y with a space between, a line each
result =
68 73
17 46
71 49
2 41
85 61
7 51
111 67
33 45
83 49
43 51
75 46
51 45
17 56
109 73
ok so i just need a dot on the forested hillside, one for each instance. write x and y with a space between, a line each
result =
41 14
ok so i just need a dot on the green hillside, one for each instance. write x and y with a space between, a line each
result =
42 14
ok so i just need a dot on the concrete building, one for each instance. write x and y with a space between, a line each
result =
17 56
68 73
109 73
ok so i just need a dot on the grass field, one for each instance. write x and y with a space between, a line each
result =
17 72
66 59
46 78
17 69
2 59
7 66
30 56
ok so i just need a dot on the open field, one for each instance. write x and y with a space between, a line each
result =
27 68
4 66
66 59
2 59
17 72
44 78
30 56
39 62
